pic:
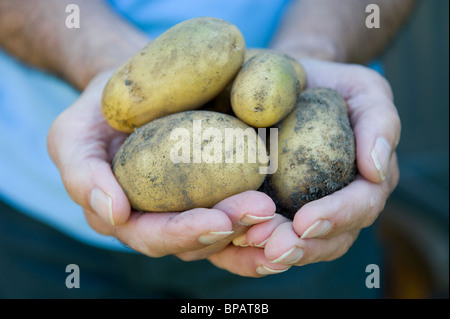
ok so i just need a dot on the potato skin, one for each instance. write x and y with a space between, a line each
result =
265 90
222 102
180 70
152 181
301 74
316 151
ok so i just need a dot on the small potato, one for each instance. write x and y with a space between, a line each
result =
189 159
265 90
301 74
180 70
222 103
316 151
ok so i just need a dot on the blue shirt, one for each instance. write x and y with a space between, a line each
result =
30 100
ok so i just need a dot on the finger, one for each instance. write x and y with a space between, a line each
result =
160 234
376 125
249 262
247 208
88 178
285 247
80 143
87 175
244 209
97 223
352 208
257 235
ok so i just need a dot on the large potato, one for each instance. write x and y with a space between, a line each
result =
316 151
189 159
180 70
265 90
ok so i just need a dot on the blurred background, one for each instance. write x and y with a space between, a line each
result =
415 223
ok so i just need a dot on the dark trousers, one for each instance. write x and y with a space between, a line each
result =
34 257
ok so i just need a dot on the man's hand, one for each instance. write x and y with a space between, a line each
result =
82 145
324 229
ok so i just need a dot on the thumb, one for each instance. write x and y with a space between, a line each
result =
79 143
104 194
377 129
374 118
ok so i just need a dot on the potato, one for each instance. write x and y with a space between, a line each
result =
180 70
265 90
301 74
316 151
189 159
222 103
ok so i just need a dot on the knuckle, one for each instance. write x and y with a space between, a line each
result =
374 207
179 224
346 242
71 182
97 224
150 250
190 256
394 174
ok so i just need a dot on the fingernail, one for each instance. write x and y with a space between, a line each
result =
101 203
249 220
263 270
381 154
213 236
240 241
319 228
262 244
292 256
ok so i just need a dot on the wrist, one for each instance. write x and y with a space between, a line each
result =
310 46
110 58
104 42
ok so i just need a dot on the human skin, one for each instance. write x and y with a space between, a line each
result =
241 234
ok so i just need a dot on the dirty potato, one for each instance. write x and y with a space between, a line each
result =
189 159
222 102
265 90
180 70
301 74
316 151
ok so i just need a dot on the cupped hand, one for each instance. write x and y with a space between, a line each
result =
82 145
325 229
